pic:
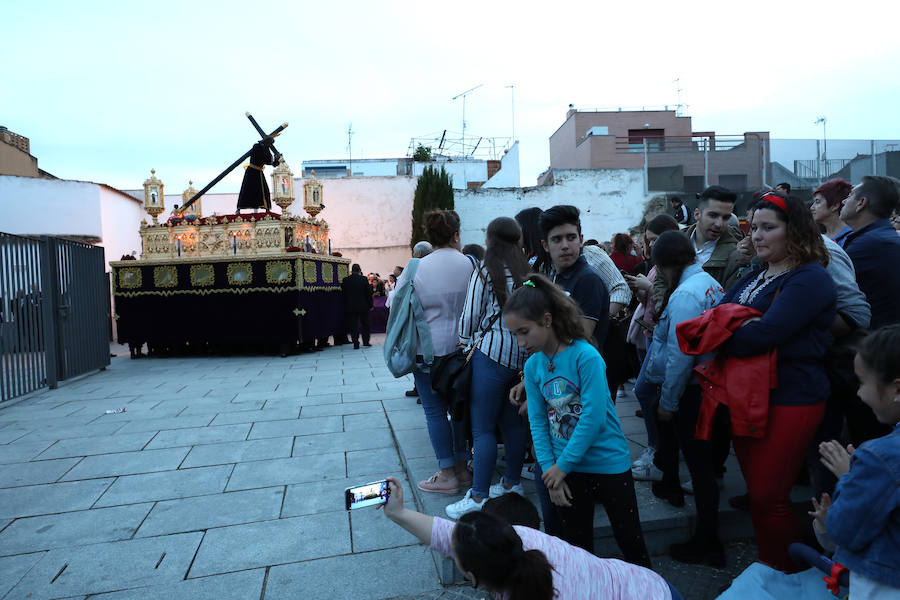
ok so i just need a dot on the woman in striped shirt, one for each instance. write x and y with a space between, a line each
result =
496 363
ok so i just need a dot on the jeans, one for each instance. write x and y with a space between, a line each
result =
490 407
552 524
448 438
679 432
647 395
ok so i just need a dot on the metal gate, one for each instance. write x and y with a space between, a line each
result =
54 311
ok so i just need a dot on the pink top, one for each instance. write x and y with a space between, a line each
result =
577 574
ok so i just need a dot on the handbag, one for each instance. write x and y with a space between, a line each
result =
451 376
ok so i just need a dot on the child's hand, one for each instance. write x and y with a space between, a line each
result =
517 397
553 477
394 504
820 510
561 496
835 458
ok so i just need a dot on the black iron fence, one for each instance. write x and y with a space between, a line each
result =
54 312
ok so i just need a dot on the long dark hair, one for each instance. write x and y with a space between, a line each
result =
529 221
672 250
539 296
804 240
490 549
503 252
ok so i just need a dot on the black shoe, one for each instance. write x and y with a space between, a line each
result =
412 393
698 551
672 495
367 344
356 345
741 502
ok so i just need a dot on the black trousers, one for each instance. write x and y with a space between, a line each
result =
616 494
357 321
698 454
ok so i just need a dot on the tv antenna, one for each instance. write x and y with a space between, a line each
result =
463 95
678 90
512 92
350 133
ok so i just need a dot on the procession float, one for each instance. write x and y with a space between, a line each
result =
245 278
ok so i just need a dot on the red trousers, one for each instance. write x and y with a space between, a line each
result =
770 466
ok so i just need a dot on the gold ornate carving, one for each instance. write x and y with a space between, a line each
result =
130 278
240 273
279 271
202 275
165 276
343 271
309 271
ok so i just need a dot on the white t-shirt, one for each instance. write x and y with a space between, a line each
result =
577 574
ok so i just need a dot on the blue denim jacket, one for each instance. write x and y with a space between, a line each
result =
665 363
864 520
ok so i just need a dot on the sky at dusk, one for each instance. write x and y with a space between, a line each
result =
108 90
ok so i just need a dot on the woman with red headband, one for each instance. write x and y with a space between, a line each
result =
797 298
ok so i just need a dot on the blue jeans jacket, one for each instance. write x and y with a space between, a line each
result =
666 364
864 520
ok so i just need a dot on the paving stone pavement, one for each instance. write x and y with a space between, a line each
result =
224 478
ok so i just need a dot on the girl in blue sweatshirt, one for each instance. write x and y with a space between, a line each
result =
577 436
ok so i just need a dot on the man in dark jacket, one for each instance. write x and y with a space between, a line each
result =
357 304
715 242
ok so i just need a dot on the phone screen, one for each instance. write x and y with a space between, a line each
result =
368 494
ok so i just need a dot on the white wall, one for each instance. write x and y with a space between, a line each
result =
508 175
369 218
30 205
120 218
461 171
611 201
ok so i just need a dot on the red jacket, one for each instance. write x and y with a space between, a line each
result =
742 384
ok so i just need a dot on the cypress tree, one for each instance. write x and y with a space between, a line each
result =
434 190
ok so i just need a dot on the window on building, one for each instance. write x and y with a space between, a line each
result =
735 183
656 140
693 184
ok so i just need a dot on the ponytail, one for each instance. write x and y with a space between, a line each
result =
489 548
532 577
539 296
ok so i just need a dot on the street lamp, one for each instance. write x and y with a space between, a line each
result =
823 120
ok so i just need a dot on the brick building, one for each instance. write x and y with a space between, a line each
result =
664 144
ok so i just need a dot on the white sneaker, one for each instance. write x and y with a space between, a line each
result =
498 489
621 394
466 505
647 473
646 457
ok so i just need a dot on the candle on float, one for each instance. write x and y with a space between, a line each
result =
329 247
178 245
234 243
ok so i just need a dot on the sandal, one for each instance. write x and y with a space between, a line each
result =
440 486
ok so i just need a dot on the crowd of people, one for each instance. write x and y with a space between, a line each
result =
758 342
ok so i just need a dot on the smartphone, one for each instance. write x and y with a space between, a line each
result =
645 325
368 494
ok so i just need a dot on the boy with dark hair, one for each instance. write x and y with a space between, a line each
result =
562 239
783 188
680 211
